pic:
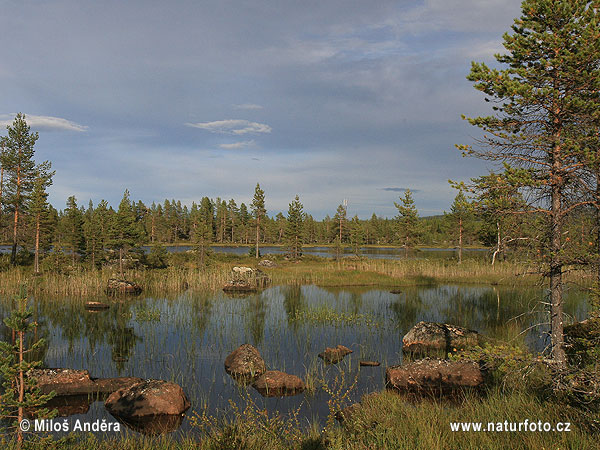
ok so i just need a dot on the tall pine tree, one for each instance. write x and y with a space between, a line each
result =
294 228
258 208
547 91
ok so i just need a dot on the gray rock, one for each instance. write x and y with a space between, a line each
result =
426 336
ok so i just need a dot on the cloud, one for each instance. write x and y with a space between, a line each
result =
397 189
237 145
232 126
45 122
248 106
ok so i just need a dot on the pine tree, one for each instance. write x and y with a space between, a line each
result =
233 212
258 208
39 213
294 228
20 170
19 391
201 234
356 235
544 97
124 232
72 224
407 220
92 232
460 211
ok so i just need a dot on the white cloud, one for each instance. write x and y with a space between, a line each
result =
248 106
232 126
46 122
236 145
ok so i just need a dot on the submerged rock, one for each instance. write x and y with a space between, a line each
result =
96 306
426 336
274 383
123 287
334 355
245 362
77 382
147 398
369 363
434 377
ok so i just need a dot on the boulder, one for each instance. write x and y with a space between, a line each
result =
146 399
234 286
267 263
122 287
77 382
369 363
96 306
434 377
243 271
274 383
244 362
426 336
334 355
246 279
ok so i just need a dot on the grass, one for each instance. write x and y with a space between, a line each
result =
184 274
385 421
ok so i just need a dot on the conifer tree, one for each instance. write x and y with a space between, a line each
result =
125 232
356 235
73 228
460 211
544 98
407 220
39 212
294 228
92 231
258 208
19 391
20 170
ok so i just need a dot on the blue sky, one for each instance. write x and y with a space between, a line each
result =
330 100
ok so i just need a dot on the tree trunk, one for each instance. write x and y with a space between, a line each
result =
498 243
460 239
257 234
21 390
36 261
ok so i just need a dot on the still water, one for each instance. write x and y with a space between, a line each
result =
186 338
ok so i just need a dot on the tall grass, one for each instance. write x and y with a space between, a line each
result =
384 421
320 271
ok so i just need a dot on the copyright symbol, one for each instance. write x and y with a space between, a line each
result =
25 425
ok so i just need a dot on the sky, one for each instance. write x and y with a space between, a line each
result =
330 100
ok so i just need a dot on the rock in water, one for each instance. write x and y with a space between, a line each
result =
123 287
434 377
147 398
334 355
245 362
246 279
278 384
77 382
426 336
96 306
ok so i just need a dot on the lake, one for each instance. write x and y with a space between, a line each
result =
186 338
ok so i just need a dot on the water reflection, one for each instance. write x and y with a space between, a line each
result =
187 337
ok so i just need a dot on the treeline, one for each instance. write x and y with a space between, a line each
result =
91 232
